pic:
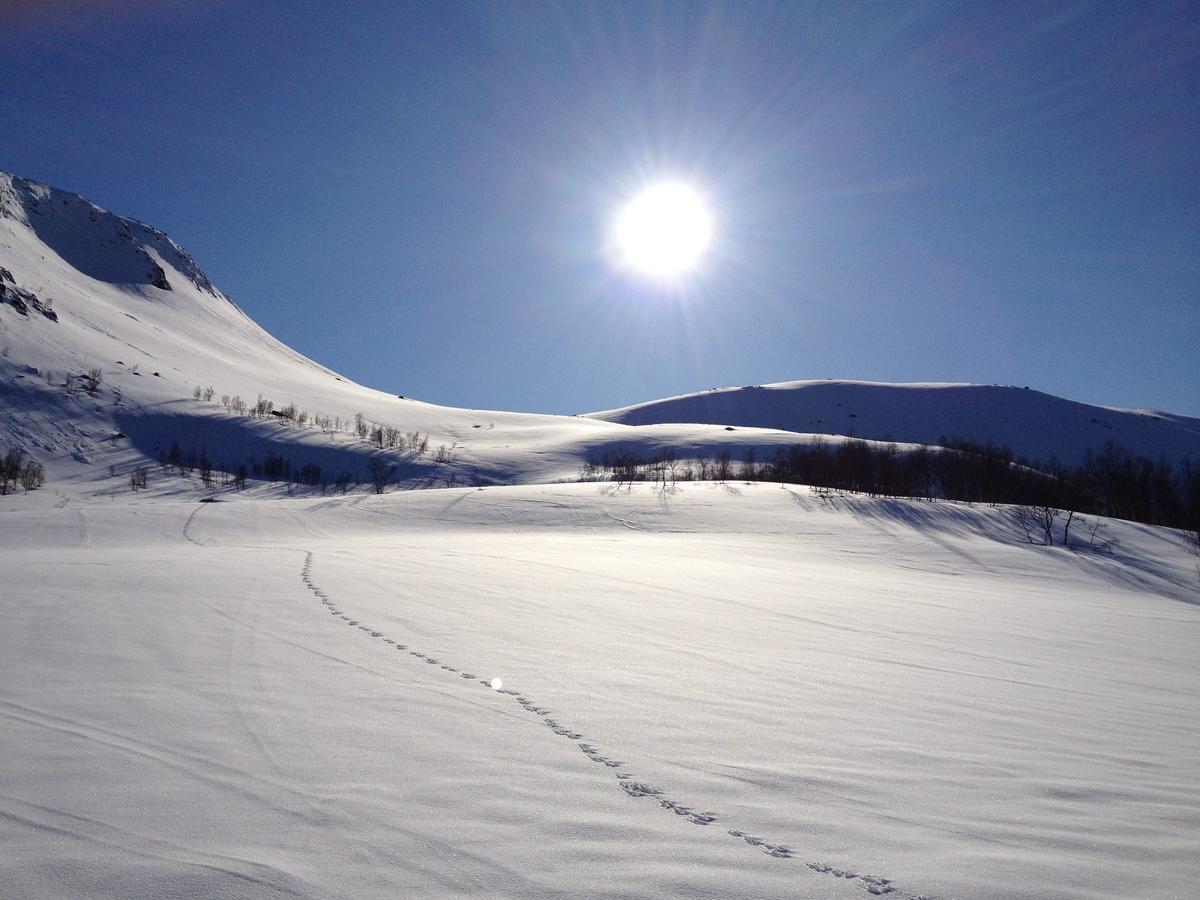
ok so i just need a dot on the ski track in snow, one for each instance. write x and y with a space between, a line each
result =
625 779
58 822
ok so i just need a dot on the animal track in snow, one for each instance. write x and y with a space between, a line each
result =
777 850
637 789
633 788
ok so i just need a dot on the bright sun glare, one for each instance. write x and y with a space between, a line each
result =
663 231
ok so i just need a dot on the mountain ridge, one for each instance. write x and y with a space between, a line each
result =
123 299
1034 424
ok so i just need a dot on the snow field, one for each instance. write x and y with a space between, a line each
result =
729 690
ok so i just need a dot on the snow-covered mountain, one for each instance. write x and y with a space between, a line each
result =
83 289
1034 425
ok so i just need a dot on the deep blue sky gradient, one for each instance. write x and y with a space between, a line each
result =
417 194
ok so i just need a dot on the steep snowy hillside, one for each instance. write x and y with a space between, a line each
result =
1034 425
84 290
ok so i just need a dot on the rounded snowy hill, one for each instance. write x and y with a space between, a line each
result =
1035 425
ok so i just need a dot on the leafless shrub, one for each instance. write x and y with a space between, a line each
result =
722 467
33 476
10 469
1037 523
1096 540
381 471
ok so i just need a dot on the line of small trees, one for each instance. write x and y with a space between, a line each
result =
383 437
274 467
15 470
89 382
1112 482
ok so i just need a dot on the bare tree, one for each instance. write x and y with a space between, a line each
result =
91 380
750 466
381 472
262 407
1037 523
1067 527
33 476
722 466
10 469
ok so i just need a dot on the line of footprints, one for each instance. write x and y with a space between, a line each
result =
872 883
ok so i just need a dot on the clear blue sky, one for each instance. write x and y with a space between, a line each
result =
417 194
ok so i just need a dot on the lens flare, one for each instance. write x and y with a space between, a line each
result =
663 231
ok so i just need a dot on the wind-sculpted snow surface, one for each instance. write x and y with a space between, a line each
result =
726 690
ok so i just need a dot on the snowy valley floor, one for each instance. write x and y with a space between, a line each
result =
730 690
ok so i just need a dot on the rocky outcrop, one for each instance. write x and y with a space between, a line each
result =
22 300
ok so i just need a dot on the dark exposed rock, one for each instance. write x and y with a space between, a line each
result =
15 298
22 300
158 278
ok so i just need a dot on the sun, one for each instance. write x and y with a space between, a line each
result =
663 231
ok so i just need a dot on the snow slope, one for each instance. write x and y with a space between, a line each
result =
735 691
1035 425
